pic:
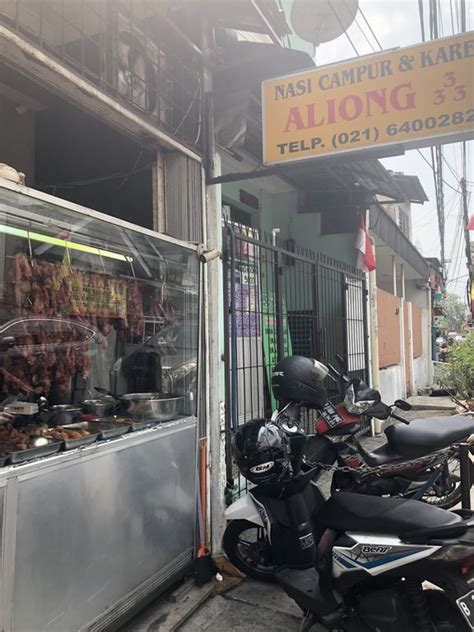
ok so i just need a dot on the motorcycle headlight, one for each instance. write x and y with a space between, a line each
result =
354 407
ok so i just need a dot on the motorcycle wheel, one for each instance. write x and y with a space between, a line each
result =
247 547
448 494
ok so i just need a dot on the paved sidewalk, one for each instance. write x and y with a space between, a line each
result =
427 403
252 606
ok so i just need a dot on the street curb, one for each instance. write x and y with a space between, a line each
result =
434 406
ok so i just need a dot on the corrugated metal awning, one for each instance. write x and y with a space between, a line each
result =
411 187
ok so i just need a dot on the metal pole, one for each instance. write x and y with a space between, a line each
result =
278 301
465 462
316 351
227 365
233 330
465 213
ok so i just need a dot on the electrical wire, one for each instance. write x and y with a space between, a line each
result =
113 176
370 28
343 29
463 276
458 13
451 169
452 15
132 168
456 249
431 167
422 20
365 36
186 114
436 164
423 219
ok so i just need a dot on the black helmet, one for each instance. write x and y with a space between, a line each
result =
299 379
261 452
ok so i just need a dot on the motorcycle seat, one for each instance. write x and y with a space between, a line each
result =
347 512
381 456
423 436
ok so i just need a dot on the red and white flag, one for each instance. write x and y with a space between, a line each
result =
365 250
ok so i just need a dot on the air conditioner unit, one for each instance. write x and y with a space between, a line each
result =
140 71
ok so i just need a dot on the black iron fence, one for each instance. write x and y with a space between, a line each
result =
280 302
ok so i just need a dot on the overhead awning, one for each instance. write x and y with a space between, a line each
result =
334 181
237 80
389 234
326 179
256 16
411 187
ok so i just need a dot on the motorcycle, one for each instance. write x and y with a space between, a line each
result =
420 459
353 562
337 443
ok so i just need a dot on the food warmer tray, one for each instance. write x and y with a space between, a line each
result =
34 453
108 429
72 444
143 424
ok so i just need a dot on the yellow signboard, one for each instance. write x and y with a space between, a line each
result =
410 97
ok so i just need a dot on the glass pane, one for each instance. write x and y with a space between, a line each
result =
87 306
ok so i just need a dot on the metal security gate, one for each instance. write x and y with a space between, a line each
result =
280 302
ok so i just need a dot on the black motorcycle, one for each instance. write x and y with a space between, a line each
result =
420 459
354 562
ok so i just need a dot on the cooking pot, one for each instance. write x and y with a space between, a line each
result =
153 406
64 414
100 407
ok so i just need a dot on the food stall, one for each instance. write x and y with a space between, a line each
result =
99 323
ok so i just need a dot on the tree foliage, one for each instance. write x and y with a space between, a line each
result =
455 312
459 373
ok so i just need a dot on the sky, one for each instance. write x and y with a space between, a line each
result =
396 23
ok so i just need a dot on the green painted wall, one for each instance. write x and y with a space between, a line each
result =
279 210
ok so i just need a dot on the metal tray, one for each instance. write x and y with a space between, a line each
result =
3 460
72 444
144 423
109 430
34 453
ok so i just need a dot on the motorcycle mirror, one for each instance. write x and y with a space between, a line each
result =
380 411
402 405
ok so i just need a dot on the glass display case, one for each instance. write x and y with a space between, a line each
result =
91 309
99 326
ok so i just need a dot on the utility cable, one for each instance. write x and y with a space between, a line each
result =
452 15
431 167
365 36
112 176
343 29
422 20
371 29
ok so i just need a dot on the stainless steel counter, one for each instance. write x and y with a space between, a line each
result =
85 535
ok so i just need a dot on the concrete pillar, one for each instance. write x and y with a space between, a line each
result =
409 360
214 319
215 368
158 184
402 345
